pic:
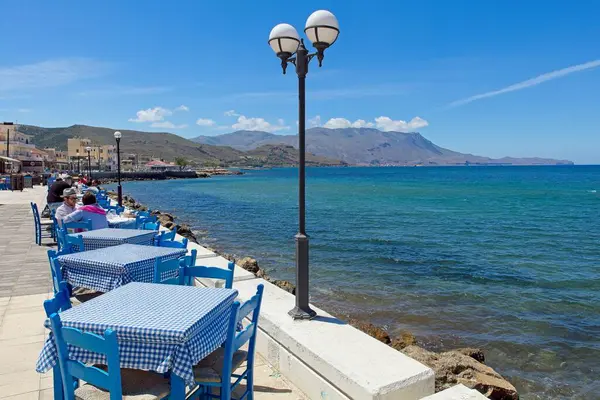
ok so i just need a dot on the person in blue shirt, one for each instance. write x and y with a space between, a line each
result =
90 210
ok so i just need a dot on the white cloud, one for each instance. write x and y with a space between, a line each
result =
387 124
182 108
336 123
50 73
256 124
205 122
529 83
151 115
313 122
231 113
167 125
24 110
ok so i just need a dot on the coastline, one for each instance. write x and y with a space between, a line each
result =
464 365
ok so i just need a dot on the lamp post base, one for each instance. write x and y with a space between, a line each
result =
302 309
298 313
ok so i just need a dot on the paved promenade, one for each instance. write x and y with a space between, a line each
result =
25 284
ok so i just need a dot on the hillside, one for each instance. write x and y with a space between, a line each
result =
271 155
367 146
169 146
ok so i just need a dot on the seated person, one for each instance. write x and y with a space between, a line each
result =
69 197
54 198
90 210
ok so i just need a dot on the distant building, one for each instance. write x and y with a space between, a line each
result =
102 157
158 165
19 146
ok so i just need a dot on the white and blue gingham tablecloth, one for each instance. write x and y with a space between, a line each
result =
108 268
159 327
100 238
122 223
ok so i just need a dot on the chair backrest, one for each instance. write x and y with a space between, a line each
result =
163 267
173 243
36 214
107 346
55 270
60 302
236 339
117 209
85 224
166 235
150 226
200 271
143 213
70 243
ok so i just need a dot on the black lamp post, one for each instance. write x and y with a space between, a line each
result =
322 30
89 149
119 188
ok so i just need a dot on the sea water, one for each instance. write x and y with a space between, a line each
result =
503 258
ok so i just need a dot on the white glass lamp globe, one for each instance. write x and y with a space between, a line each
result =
284 39
117 135
322 29
88 149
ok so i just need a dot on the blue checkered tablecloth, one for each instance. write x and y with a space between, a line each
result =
159 327
100 238
108 268
122 223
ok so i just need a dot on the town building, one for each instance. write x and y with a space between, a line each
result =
102 157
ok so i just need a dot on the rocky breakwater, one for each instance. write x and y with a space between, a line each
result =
464 365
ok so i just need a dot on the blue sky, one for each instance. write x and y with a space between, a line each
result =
495 78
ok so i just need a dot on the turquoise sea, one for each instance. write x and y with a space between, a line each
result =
504 258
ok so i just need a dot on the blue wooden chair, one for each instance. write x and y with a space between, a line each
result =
174 244
60 302
216 370
55 269
40 227
188 272
70 244
110 383
165 236
163 267
117 209
85 224
150 226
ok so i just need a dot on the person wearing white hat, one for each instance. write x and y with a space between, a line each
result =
68 206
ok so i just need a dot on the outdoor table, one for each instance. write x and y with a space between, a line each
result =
162 328
106 269
121 222
107 237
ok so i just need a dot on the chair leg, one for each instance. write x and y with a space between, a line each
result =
250 383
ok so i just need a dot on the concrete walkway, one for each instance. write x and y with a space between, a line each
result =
25 284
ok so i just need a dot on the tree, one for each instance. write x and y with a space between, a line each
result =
181 162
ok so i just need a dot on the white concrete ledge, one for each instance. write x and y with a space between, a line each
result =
328 356
458 392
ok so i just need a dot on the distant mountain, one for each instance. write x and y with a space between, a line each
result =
367 146
169 146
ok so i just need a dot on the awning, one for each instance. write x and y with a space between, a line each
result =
9 159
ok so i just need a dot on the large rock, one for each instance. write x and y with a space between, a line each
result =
249 264
405 339
453 367
285 285
371 330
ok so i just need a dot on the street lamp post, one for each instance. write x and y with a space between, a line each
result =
89 149
322 30
119 188
78 164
